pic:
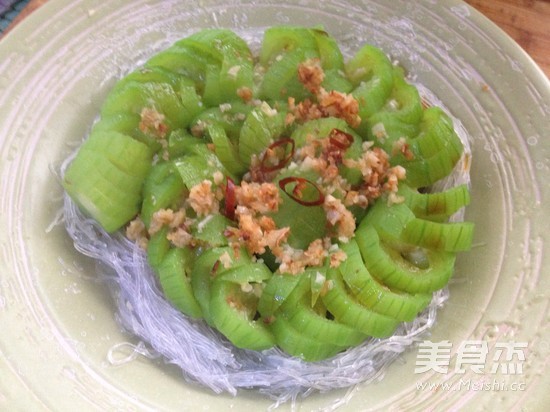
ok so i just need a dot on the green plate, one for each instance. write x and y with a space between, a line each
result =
58 322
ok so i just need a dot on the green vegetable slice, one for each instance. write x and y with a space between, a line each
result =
157 247
190 100
131 158
127 124
400 115
281 80
450 237
230 116
374 295
255 272
204 270
295 343
404 102
198 165
262 126
388 220
225 151
404 267
347 310
208 265
181 142
313 321
163 188
160 97
436 150
306 223
436 134
329 52
371 73
275 292
233 310
173 276
184 61
149 75
282 39
436 206
103 189
229 67
426 172
210 230
319 327
319 129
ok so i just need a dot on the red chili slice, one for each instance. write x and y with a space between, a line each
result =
335 141
230 199
295 194
215 267
281 162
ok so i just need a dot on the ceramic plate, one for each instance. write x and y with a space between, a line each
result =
58 322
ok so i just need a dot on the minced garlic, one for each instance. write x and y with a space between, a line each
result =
203 200
328 103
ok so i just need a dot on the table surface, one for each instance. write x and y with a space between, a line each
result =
526 21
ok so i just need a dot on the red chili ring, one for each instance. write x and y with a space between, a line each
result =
284 161
301 181
230 199
339 144
215 267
